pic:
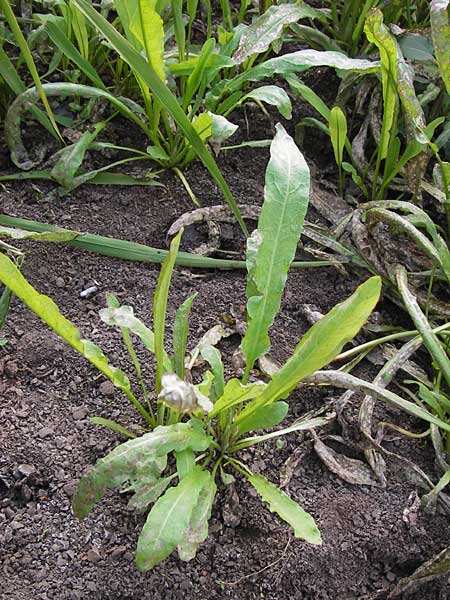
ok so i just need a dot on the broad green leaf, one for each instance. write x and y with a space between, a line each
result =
185 462
167 524
180 335
138 461
142 68
303 524
213 357
299 61
221 128
378 34
147 492
274 95
124 317
321 344
440 31
47 236
337 125
197 530
235 393
416 47
265 417
160 307
268 27
152 36
286 196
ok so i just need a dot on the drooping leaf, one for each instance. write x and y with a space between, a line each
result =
167 524
265 417
321 344
440 31
378 34
267 28
286 196
197 530
139 461
160 307
274 95
303 524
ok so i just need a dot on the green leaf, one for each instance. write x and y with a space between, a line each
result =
185 462
303 524
71 157
378 34
235 393
197 530
168 523
142 68
321 344
47 236
214 359
113 426
180 334
274 95
54 26
139 461
305 92
440 31
265 417
152 36
268 27
337 125
160 307
286 196
221 128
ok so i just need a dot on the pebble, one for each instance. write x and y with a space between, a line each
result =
93 555
60 282
80 413
11 368
106 388
70 487
45 432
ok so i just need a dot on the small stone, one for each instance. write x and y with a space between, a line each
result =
26 470
106 388
11 368
60 282
80 413
70 487
45 432
93 555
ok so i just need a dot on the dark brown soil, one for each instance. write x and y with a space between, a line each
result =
48 394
